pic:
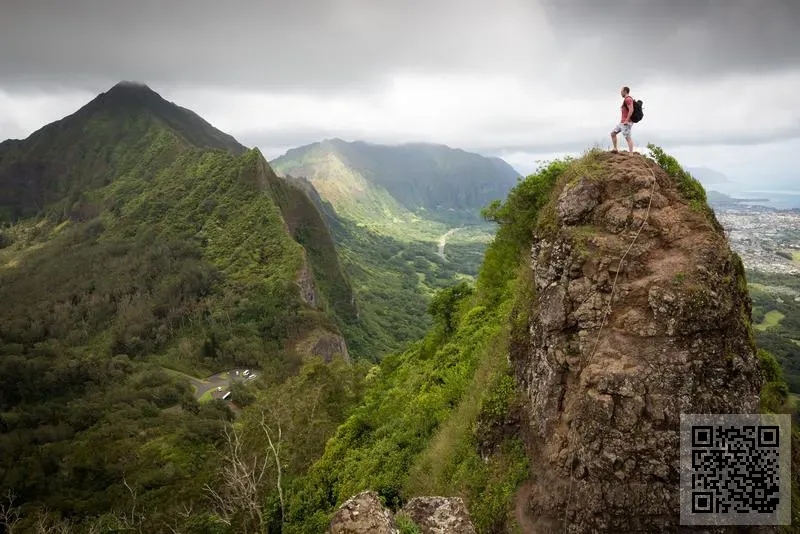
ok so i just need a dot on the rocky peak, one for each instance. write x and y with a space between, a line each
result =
616 350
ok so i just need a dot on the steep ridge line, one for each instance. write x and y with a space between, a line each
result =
597 338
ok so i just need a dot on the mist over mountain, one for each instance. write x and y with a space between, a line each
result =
708 176
364 180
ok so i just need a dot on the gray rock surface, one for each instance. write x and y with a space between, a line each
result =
363 514
440 515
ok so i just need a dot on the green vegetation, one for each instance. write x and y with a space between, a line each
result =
778 329
387 208
776 312
152 248
61 162
406 525
775 398
771 318
440 417
691 189
139 249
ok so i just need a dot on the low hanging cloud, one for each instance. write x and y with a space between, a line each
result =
518 78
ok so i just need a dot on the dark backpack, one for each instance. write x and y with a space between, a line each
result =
637 114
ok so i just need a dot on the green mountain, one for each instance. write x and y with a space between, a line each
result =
381 186
139 242
87 149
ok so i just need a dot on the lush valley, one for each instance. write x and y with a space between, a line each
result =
389 209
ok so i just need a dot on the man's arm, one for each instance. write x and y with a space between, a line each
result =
630 110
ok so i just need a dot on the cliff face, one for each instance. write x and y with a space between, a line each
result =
607 373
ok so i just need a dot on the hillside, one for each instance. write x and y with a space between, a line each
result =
407 222
381 185
139 238
525 370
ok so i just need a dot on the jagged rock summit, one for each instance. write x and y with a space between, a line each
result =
606 374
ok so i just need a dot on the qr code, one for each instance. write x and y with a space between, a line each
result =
735 469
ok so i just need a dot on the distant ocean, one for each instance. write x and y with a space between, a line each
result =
781 199
778 199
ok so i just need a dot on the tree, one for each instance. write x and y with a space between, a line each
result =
444 304
9 513
243 476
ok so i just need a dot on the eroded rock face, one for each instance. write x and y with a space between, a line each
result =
323 343
329 345
440 515
604 406
363 514
308 290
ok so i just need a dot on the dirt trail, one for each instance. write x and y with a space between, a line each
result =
443 240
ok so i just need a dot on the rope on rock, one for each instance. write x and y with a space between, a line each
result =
597 339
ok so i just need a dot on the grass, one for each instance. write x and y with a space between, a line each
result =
206 397
795 256
771 318
428 476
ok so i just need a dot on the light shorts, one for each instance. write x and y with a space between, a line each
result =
624 128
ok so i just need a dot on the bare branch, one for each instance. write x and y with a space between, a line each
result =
276 453
9 513
241 481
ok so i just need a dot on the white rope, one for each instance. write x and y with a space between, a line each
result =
597 339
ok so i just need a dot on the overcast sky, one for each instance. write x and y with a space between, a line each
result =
521 79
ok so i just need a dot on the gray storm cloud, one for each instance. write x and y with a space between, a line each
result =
353 45
510 76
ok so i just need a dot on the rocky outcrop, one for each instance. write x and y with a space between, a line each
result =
323 343
308 290
329 345
364 513
439 515
604 404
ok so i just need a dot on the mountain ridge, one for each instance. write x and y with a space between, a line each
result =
71 155
370 181
129 250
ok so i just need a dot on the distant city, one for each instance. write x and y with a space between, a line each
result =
767 239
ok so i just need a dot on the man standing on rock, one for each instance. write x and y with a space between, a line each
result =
625 124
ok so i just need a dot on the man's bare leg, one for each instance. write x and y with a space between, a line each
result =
614 140
630 144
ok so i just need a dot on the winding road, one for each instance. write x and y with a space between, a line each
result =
443 240
202 386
